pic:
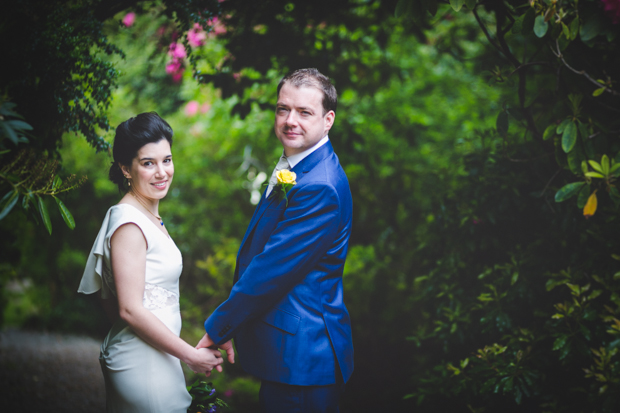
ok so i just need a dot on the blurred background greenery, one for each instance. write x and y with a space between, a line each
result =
483 269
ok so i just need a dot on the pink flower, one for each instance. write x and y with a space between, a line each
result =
129 19
218 27
204 108
173 67
228 392
612 9
191 108
176 78
196 36
177 50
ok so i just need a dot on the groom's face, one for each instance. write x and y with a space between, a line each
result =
300 123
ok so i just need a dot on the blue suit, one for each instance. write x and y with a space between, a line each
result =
286 310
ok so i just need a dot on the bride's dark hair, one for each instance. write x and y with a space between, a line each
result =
130 136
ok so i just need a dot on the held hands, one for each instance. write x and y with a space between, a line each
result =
204 360
206 342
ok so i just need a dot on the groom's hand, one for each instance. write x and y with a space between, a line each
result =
206 342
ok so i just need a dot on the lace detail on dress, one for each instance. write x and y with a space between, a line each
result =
156 298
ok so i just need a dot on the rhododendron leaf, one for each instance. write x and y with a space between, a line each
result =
569 137
591 28
590 208
517 26
574 28
594 175
562 125
565 30
574 158
605 164
568 191
583 196
596 166
549 132
540 26
457 4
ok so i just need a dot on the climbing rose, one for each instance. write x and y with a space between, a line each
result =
177 50
612 9
129 19
196 36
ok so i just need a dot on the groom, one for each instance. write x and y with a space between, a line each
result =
286 310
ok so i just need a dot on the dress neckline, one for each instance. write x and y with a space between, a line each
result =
148 219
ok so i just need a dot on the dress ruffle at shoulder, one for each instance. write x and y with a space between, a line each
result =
98 273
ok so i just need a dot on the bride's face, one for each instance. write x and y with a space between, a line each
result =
151 171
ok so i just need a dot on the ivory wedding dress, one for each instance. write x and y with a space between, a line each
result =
138 377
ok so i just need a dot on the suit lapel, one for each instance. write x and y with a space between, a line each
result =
302 168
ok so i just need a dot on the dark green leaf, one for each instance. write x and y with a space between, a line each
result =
591 28
470 4
402 8
45 215
517 26
569 137
528 21
457 4
574 28
568 191
18 125
574 159
9 132
8 202
559 342
549 132
584 194
583 129
66 215
565 30
562 125
540 26
501 123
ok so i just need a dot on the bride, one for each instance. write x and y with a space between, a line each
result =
136 265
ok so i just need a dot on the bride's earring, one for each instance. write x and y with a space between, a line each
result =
128 180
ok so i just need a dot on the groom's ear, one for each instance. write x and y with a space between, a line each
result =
329 120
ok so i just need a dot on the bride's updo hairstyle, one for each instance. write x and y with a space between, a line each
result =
130 136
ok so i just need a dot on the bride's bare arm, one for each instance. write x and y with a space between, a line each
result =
128 256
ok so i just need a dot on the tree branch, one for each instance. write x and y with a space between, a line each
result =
560 56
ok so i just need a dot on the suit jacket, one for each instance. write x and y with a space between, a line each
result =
286 309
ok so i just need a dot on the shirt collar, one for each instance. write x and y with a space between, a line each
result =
295 159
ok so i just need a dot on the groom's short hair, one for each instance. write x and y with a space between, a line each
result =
311 77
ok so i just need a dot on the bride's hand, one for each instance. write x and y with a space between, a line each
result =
204 360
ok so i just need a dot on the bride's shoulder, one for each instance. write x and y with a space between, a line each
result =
123 213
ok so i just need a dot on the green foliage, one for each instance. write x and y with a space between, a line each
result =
468 138
204 398
32 177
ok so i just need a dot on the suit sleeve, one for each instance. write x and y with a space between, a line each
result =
307 230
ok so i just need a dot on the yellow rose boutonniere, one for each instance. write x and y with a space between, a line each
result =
286 180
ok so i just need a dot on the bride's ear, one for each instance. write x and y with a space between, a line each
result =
125 171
